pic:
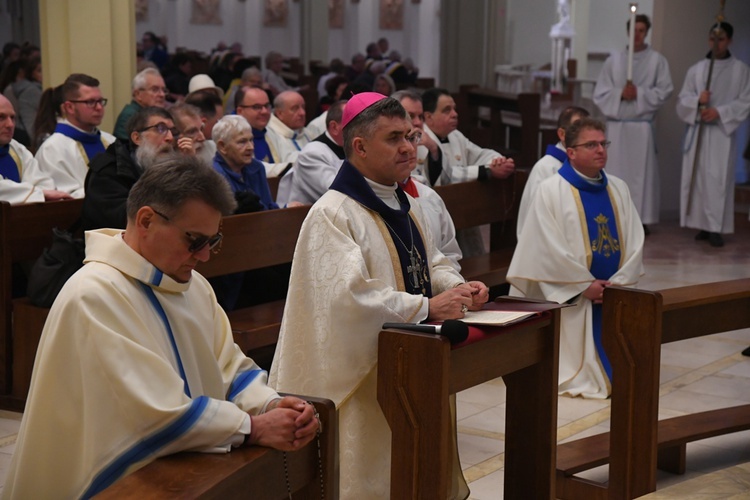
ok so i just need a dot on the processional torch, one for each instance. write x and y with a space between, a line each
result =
715 33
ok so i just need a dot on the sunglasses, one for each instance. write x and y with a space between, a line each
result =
198 243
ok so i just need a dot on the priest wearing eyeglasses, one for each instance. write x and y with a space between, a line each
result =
581 235
137 360
65 155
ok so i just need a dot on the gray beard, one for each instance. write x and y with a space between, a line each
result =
205 156
146 155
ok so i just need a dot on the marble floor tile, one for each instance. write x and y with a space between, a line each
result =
737 388
476 449
689 402
489 487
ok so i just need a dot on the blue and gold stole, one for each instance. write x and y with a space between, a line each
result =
89 145
601 229
415 266
10 164
556 153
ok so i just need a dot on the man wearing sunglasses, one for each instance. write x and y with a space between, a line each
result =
138 358
582 234
65 155
112 174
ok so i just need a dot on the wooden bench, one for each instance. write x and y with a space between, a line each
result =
25 231
512 127
251 472
636 323
416 374
254 241
494 202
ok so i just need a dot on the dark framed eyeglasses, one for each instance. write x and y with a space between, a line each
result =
91 103
162 128
592 145
197 243
256 107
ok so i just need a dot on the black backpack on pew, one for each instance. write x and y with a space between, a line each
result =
56 264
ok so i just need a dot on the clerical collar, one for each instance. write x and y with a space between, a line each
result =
387 194
443 140
726 56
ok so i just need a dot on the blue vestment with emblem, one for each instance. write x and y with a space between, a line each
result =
604 241
92 144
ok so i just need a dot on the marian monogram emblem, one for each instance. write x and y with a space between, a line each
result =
604 243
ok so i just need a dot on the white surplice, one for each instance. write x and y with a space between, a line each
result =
461 158
712 196
65 161
440 223
551 262
33 180
107 396
546 167
313 172
346 282
630 124
284 143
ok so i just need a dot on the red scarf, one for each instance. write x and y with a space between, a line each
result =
409 187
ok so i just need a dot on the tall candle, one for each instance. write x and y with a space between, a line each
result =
633 8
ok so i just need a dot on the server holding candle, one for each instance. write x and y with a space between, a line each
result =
632 87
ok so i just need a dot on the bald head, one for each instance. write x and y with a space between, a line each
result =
7 121
289 107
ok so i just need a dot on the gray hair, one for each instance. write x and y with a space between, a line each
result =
180 111
406 94
363 124
175 179
228 127
251 71
139 80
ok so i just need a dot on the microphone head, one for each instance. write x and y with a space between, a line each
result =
455 330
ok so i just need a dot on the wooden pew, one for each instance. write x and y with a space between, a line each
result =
254 241
512 126
25 230
252 472
416 374
494 202
636 323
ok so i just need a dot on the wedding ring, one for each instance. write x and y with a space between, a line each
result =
464 308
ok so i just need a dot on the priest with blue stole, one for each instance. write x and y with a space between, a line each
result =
582 234
365 256
65 155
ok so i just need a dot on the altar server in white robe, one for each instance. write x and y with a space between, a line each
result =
549 164
582 234
137 359
630 108
21 181
719 112
65 155
364 257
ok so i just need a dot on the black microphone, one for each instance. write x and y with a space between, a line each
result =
454 330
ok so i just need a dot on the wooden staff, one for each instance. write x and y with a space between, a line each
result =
716 32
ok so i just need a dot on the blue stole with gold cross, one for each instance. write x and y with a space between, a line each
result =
92 144
603 240
415 266
10 167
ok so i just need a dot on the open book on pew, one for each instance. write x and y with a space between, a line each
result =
507 310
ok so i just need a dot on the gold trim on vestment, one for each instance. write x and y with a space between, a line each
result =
584 225
616 211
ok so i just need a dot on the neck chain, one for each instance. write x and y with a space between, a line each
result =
416 269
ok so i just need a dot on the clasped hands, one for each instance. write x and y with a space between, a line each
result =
453 303
288 424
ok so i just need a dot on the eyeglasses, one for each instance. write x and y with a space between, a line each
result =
256 107
591 146
91 103
162 129
414 138
156 90
198 243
